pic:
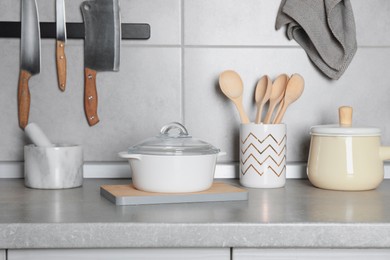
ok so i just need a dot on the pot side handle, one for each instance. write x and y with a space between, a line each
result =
129 156
384 153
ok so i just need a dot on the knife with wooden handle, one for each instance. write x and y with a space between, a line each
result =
30 56
60 44
24 98
61 64
90 96
101 48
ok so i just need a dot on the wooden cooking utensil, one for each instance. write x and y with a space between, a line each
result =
262 95
294 90
232 86
277 94
281 102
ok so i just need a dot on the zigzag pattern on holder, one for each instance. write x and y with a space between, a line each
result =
265 149
261 173
262 141
271 149
261 163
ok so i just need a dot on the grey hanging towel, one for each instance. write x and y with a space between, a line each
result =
324 28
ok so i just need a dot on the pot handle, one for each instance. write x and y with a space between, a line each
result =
174 125
384 153
129 156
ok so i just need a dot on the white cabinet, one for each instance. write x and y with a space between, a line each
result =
306 254
2 254
120 254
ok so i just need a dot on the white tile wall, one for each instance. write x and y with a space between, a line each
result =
232 22
164 17
252 22
173 77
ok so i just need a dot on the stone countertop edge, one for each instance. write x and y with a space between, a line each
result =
185 235
296 216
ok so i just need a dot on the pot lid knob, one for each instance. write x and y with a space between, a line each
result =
174 126
345 116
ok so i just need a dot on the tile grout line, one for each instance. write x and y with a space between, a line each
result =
212 46
182 67
182 45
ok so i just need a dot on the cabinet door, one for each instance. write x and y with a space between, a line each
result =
121 254
306 254
2 254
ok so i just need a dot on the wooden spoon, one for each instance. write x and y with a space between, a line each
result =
294 90
231 85
262 95
281 102
277 94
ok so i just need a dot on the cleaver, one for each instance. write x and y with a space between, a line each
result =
101 48
30 57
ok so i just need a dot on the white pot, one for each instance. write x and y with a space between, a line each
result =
172 163
160 173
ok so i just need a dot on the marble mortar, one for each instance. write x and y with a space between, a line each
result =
57 167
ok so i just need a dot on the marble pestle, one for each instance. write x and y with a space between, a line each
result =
37 136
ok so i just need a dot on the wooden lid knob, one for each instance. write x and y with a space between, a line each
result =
345 116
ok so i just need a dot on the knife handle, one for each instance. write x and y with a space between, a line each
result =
90 96
61 64
23 98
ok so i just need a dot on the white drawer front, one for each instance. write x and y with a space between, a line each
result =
120 254
306 254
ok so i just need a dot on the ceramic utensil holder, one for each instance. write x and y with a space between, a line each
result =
57 167
263 155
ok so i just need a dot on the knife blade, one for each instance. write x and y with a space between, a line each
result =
60 44
30 56
101 48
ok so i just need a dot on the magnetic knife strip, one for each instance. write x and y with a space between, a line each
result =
130 31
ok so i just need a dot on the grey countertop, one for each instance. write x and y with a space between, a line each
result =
297 215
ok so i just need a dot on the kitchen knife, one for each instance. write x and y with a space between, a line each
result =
60 43
101 48
30 56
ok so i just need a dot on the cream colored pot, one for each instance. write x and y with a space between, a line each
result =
346 158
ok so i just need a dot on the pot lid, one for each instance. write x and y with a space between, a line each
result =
173 140
344 128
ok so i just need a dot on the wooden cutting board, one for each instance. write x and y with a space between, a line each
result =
128 195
